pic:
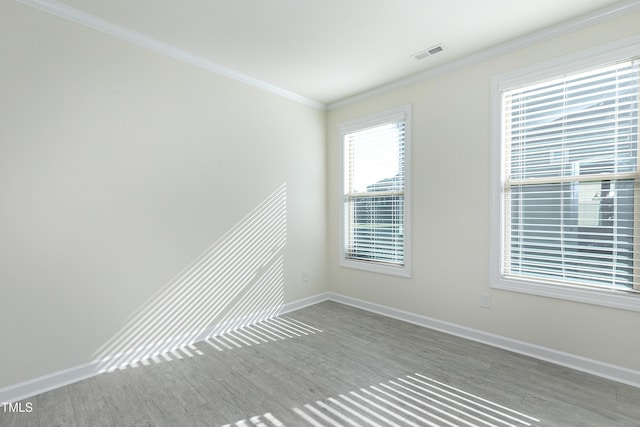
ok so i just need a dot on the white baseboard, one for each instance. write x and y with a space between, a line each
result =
30 388
579 363
306 302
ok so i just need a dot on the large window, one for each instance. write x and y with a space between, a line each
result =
568 186
375 217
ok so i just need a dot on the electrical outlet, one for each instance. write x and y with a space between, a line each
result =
305 276
485 301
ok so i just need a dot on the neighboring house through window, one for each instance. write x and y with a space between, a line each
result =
375 225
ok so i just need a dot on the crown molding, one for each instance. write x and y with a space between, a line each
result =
567 27
88 20
78 16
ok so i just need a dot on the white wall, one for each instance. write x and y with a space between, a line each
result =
451 155
118 168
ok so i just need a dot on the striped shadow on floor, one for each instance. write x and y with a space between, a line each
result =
266 420
262 332
270 330
169 356
415 400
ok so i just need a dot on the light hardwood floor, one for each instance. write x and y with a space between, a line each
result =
334 365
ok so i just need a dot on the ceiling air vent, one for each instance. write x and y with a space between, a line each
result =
428 52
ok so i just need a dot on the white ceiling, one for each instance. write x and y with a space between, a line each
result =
329 50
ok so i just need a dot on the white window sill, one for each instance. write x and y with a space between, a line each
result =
377 268
603 297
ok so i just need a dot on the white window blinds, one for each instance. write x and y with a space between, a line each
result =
570 179
374 191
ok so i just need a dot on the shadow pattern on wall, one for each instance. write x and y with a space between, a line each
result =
237 282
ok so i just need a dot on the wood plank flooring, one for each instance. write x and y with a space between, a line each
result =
334 365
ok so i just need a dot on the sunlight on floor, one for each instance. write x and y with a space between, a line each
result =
270 330
259 420
176 354
266 331
415 400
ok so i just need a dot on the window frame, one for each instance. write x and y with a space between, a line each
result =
589 58
363 123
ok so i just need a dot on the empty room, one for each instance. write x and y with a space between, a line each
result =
305 213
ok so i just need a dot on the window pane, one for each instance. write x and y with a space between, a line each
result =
552 238
376 158
377 229
571 160
375 163
569 120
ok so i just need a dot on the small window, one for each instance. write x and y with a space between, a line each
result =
375 217
568 185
